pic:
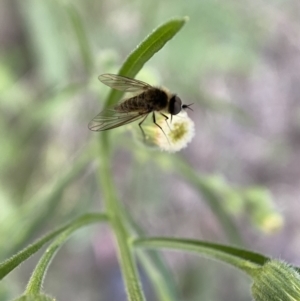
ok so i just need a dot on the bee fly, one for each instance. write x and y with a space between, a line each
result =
147 100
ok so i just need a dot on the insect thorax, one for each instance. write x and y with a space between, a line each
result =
148 101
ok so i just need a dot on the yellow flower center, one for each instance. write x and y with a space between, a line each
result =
178 132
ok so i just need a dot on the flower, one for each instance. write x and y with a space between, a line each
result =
174 135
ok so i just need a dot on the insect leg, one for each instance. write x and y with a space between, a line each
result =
140 125
166 119
164 116
154 121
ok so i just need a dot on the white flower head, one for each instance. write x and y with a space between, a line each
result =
176 134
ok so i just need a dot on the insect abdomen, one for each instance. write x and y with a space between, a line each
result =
151 100
135 103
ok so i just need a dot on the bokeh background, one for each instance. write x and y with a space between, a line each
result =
237 61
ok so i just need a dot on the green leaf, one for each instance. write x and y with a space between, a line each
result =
239 258
144 51
36 281
8 265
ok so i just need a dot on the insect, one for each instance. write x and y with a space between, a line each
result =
147 99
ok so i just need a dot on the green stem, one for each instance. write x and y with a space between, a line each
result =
128 267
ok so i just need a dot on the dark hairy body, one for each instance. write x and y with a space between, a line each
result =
151 100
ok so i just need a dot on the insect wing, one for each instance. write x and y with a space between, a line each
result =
110 119
123 83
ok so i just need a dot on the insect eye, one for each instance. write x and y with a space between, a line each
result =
175 105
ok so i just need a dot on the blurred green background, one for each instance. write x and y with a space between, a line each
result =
237 61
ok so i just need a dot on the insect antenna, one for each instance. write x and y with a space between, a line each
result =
188 107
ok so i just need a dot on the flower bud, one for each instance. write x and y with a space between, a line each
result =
274 281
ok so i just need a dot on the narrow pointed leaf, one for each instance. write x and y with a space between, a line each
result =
8 265
145 50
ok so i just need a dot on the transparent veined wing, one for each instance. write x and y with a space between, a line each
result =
110 119
123 83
